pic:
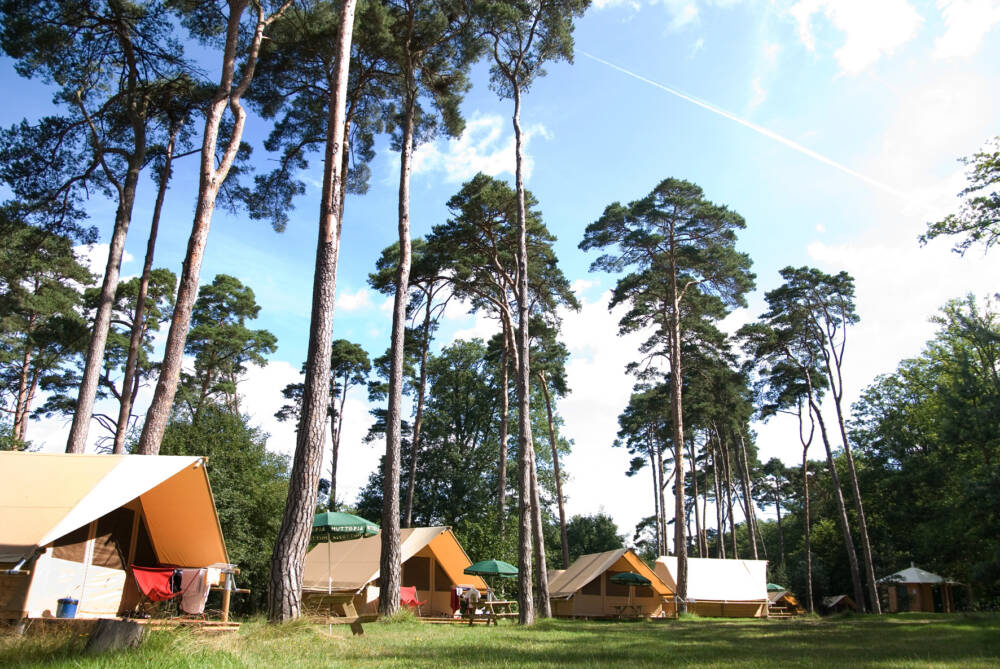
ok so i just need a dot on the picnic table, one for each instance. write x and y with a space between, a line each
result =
323 603
494 609
629 610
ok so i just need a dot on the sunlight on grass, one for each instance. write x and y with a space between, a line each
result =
888 642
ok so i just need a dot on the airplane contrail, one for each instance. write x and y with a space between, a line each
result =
795 146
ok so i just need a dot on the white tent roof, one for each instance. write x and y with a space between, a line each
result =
44 496
715 580
912 574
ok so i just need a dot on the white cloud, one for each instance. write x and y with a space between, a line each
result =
871 29
696 48
359 299
485 146
966 22
95 257
757 94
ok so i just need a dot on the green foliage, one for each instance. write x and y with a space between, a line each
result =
592 534
249 483
222 344
979 216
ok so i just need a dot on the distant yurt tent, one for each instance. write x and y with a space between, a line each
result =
720 588
914 589
73 524
433 562
588 589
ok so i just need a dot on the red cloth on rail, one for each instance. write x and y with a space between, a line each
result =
456 603
154 582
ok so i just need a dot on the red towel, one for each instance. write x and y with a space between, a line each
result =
456 603
154 582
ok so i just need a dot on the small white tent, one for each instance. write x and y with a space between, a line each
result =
720 588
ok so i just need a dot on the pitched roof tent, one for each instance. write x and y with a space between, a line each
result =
588 567
353 564
44 496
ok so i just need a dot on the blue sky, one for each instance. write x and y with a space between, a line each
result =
895 90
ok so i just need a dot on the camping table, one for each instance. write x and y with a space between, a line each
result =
633 610
494 609
316 601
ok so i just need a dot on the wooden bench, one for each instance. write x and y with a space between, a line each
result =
323 603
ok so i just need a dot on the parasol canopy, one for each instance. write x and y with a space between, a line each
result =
338 526
492 568
629 578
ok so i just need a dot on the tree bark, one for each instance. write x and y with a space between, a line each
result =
677 413
694 481
727 472
526 613
21 405
418 419
852 556
663 500
807 529
748 497
285 592
138 322
77 441
502 459
555 466
656 501
542 605
390 561
719 529
228 94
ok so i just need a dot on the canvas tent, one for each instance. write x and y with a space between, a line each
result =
720 588
914 589
73 523
432 558
585 589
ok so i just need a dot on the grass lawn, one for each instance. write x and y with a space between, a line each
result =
909 640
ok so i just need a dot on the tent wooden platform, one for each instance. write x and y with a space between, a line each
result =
84 626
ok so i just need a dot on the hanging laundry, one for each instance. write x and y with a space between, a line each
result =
213 575
194 587
154 582
175 581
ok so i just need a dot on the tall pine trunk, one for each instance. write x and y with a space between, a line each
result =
694 481
130 382
419 418
555 466
663 500
526 605
728 476
77 441
656 501
719 529
542 604
838 494
390 561
285 591
751 516
677 413
502 458
211 176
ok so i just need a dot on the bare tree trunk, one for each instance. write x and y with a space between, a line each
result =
418 419
390 561
228 94
852 556
677 413
542 605
138 324
719 529
727 472
21 404
751 516
807 529
656 501
77 441
526 614
336 430
502 459
694 480
558 475
285 591
663 500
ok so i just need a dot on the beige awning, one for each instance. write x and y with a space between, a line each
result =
44 496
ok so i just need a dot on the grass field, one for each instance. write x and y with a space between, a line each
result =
911 640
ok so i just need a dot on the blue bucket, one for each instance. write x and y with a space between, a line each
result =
67 607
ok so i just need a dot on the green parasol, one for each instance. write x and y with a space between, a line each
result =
492 568
629 578
774 587
338 526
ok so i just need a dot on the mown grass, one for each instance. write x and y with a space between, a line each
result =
909 640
